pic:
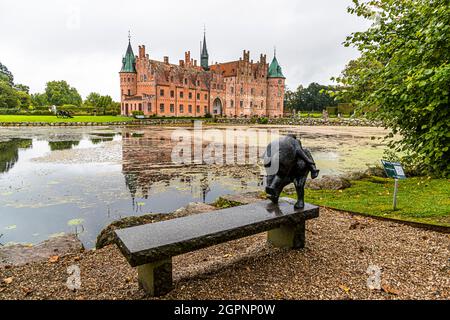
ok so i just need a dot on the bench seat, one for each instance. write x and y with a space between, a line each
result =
150 247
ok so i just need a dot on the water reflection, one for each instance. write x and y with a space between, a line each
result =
61 180
62 145
9 152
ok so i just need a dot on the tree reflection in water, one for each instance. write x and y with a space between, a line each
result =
9 152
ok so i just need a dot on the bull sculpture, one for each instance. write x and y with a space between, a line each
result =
285 162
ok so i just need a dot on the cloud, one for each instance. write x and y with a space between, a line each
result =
83 41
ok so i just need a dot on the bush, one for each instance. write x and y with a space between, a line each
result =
9 111
263 120
137 113
332 111
79 111
345 108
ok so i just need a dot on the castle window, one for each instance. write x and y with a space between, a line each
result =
190 95
232 90
129 92
278 105
206 96
140 106
161 92
185 81
232 103
172 108
252 91
181 94
171 79
149 107
251 104
198 82
198 96
172 94
181 108
190 108
279 81
206 109
198 109
242 90
128 79
161 107
241 103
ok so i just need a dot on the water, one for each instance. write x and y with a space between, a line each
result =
78 180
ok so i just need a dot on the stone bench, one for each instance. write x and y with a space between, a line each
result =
150 247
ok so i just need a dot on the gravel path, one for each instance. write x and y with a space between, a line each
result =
340 248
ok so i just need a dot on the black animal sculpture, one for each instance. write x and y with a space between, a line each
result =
286 161
63 114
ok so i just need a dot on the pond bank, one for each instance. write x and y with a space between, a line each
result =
352 122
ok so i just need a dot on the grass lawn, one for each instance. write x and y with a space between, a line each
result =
25 118
421 199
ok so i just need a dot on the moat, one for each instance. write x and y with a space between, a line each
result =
78 180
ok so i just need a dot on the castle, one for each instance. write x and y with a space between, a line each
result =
241 88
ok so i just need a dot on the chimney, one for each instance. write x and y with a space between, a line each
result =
187 57
141 51
166 59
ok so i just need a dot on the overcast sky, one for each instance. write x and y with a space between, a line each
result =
83 41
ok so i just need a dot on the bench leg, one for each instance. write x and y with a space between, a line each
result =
288 236
156 278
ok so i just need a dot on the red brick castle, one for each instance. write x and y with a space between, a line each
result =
241 88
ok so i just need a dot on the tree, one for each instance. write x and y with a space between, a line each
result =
59 93
12 95
92 99
403 75
102 103
6 75
315 97
39 100
9 98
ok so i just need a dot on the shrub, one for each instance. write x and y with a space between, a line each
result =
345 108
8 111
263 120
332 111
137 113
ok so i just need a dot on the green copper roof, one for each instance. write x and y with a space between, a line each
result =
129 61
275 69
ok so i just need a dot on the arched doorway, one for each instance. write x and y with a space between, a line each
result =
217 107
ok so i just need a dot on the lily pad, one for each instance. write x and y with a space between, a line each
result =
75 222
56 235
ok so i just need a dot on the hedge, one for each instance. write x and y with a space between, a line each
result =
332 111
345 108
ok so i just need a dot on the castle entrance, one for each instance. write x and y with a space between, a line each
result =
217 107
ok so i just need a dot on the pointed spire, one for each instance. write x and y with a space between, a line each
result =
129 60
274 68
204 56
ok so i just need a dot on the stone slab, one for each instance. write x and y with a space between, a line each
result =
158 241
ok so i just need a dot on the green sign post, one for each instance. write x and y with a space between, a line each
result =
394 170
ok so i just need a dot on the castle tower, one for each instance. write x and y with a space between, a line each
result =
204 57
128 77
275 89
